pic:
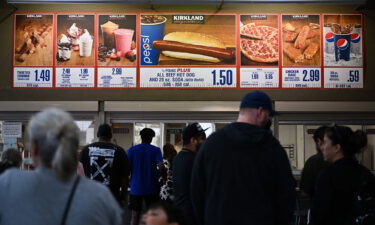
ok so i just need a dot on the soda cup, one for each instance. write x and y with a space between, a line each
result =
355 37
342 46
152 29
329 46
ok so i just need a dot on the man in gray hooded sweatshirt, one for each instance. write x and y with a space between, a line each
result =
242 175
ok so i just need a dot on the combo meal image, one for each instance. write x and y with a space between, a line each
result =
187 39
259 37
342 40
33 44
75 38
301 40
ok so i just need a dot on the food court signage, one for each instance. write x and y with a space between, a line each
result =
171 50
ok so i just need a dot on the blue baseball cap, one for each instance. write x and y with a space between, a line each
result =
258 99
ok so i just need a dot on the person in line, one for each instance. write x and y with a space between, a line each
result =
53 193
164 213
107 163
314 165
165 173
338 184
11 158
193 137
242 174
144 186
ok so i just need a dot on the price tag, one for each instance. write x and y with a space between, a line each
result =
188 77
117 77
75 77
32 77
343 77
301 78
259 78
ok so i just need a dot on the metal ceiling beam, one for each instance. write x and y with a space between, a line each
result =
353 2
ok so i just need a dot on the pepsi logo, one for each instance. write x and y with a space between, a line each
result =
146 46
355 38
330 37
342 44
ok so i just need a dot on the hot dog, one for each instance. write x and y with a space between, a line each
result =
193 46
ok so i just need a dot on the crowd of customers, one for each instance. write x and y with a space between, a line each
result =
239 175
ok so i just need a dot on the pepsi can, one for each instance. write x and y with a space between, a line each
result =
356 40
329 43
342 46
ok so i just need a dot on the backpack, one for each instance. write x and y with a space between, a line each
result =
365 203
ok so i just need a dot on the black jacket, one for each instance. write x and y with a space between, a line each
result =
313 166
241 176
334 198
182 168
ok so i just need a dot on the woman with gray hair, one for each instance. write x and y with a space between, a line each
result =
53 193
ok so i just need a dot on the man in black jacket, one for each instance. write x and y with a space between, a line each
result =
193 137
242 175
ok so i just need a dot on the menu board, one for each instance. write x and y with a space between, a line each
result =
301 51
117 53
343 54
33 51
75 58
259 44
188 50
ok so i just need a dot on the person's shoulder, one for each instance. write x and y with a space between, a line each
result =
93 187
15 175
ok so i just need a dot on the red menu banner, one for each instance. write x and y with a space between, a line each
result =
188 50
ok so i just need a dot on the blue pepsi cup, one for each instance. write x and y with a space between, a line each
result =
152 29
342 46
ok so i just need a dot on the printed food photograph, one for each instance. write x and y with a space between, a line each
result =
301 40
259 37
33 42
75 40
342 40
117 40
188 39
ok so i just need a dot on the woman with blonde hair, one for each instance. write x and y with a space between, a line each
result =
53 193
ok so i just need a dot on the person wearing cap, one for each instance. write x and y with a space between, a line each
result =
242 175
144 185
193 136
107 163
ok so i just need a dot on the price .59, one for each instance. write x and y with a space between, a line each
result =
222 77
353 76
42 75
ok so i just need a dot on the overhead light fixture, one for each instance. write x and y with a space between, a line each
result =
353 2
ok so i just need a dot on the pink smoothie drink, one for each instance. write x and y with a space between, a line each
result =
124 39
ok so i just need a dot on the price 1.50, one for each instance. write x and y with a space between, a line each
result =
42 75
313 75
222 77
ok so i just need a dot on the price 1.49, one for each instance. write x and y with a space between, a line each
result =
222 77
42 75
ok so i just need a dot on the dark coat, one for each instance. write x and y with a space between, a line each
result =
241 176
336 189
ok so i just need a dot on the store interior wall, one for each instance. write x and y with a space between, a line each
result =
7 93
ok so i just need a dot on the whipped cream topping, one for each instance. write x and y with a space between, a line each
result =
64 39
85 36
73 30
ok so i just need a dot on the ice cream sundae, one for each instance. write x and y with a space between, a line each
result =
64 46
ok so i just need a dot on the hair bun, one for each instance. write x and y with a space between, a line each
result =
359 140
